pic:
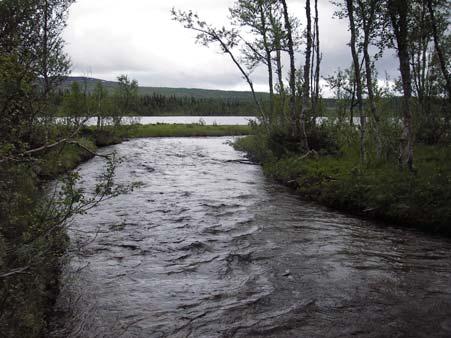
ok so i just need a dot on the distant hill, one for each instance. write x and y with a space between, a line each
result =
165 91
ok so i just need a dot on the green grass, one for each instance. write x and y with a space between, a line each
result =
421 199
184 130
113 135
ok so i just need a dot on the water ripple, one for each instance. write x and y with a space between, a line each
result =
207 247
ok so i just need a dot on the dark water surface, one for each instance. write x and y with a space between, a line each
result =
207 247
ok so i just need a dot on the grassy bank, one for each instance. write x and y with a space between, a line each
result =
167 130
421 199
184 130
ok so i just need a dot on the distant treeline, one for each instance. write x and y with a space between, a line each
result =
148 101
157 104
163 105
104 98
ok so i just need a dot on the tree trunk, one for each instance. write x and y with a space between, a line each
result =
292 81
45 68
399 10
312 71
45 45
368 31
439 50
245 75
306 89
279 68
280 79
357 77
268 61
353 104
99 119
318 63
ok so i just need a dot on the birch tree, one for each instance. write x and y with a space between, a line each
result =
372 23
398 11
255 15
307 65
316 65
227 39
438 44
292 71
357 75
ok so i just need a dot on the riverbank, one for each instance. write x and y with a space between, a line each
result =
420 200
28 296
30 247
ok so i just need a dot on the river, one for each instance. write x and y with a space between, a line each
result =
208 247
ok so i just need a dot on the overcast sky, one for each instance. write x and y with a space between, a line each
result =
106 38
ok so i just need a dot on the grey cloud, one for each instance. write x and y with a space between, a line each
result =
138 37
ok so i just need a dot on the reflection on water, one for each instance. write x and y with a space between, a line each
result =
207 247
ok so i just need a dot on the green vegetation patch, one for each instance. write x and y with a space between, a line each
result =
184 130
112 135
421 199
28 249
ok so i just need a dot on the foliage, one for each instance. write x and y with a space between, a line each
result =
256 147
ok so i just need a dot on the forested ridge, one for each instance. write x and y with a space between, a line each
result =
161 100
152 101
157 101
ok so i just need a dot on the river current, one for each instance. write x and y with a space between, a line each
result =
206 246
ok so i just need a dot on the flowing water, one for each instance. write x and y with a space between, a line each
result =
208 247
